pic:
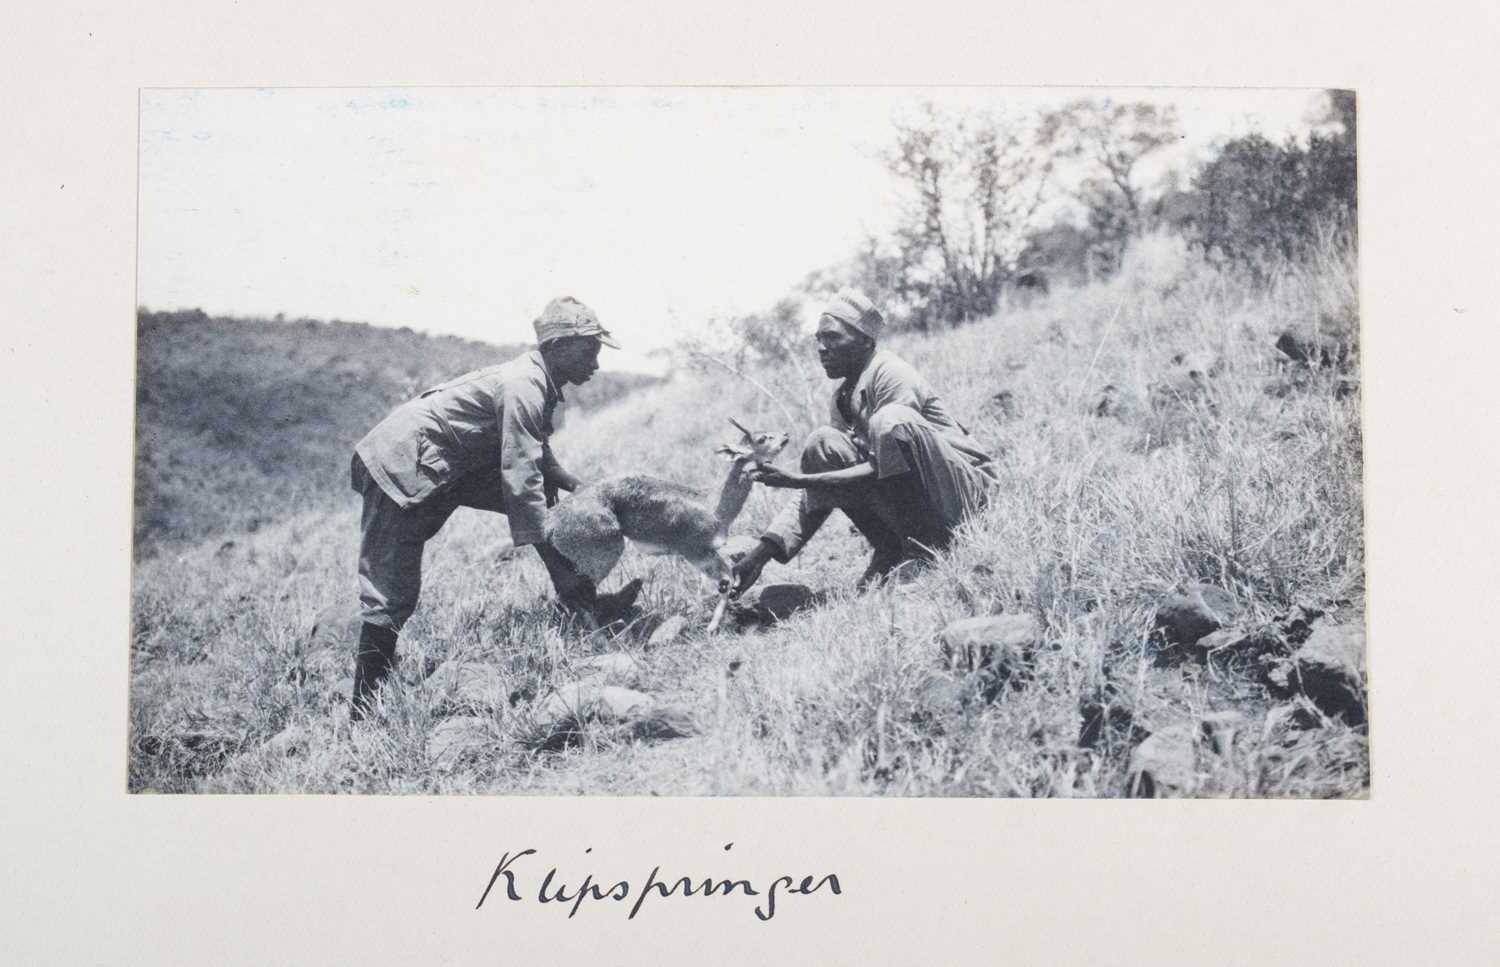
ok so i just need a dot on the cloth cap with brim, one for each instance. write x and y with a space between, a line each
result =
852 308
568 317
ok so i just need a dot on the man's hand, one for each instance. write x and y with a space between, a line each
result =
746 570
553 484
776 477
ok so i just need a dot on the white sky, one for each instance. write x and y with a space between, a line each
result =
464 210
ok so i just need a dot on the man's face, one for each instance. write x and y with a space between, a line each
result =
840 351
574 359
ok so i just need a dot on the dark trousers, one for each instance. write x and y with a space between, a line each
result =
392 540
887 512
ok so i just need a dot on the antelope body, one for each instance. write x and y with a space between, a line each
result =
660 517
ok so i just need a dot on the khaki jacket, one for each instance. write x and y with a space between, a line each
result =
497 417
887 380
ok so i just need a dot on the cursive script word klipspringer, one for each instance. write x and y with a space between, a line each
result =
552 889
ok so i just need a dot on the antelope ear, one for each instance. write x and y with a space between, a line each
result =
727 450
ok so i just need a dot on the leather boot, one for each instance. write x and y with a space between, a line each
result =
372 663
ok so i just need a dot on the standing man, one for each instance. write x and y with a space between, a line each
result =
901 469
476 441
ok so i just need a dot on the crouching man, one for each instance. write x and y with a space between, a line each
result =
480 441
891 458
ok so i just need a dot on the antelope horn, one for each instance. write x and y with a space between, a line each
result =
737 426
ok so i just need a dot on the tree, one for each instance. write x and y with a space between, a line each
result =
1110 141
974 186
1261 203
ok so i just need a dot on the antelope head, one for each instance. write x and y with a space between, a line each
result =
753 448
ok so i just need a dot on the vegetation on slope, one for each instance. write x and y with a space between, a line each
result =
1120 482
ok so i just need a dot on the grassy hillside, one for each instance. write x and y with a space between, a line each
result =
1122 479
243 422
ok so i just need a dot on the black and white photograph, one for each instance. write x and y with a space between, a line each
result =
746 442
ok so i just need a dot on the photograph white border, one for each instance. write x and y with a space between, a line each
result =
98 875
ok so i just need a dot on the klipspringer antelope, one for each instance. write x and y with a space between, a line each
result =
661 517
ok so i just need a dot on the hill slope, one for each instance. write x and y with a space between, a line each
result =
241 422
1124 476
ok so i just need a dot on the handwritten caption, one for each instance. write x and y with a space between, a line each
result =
514 878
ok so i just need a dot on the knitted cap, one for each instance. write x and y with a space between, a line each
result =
567 316
851 307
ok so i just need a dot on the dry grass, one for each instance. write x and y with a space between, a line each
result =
1252 484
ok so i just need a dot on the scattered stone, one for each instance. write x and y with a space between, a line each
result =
1200 362
1180 387
471 683
668 631
1330 670
570 708
1313 345
1218 640
1111 402
1201 609
1105 720
777 602
1166 763
290 741
581 701
1004 407
455 741
612 668
1218 729
1000 648
939 693
1277 672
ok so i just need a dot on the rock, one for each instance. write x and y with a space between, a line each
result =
668 631
939 693
290 741
1180 387
613 668
1105 720
1312 345
1218 640
1200 610
1330 670
1111 402
1277 672
570 708
1186 383
1200 362
998 647
1003 406
1218 729
777 602
457 740
336 626
470 683
582 701
1166 763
